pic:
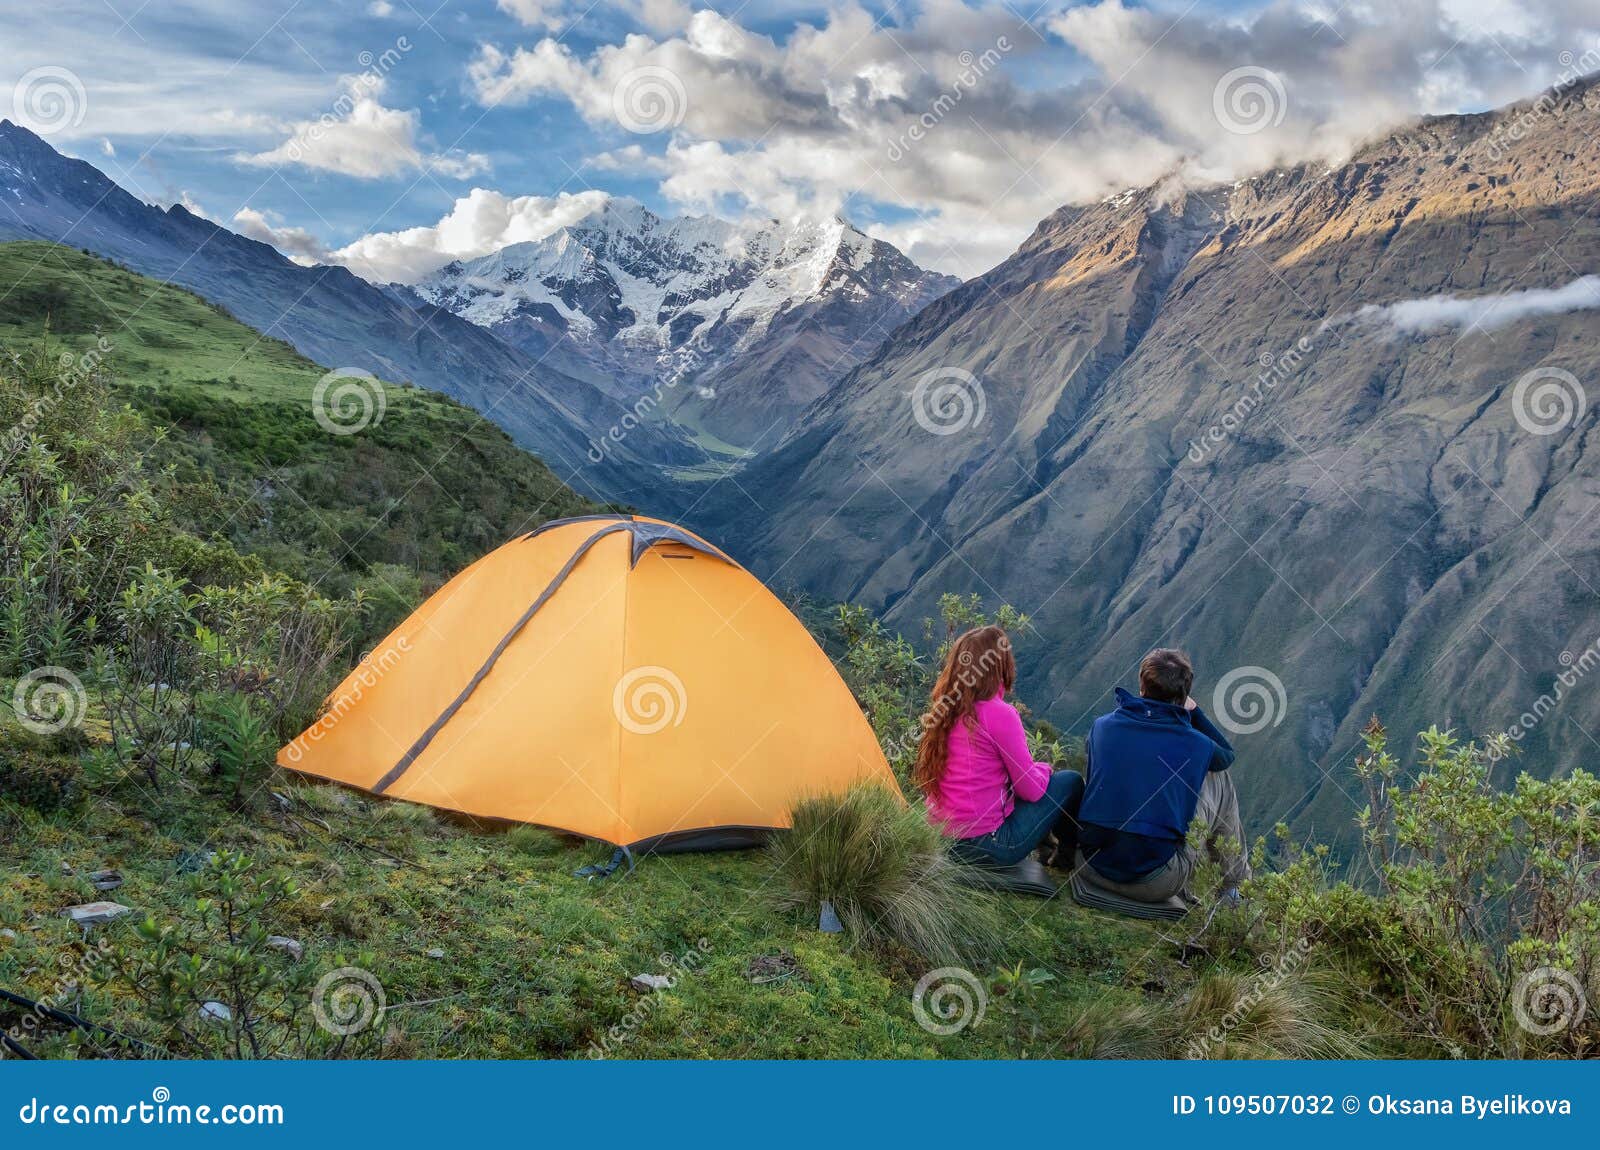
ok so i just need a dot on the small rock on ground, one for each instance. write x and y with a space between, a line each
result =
649 982
293 947
95 913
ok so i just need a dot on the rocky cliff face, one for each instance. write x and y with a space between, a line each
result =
1329 430
749 323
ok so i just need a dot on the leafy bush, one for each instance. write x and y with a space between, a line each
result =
1479 929
886 872
240 744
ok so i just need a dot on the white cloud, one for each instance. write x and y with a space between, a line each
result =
905 111
657 15
631 158
382 9
477 224
1484 312
533 13
296 243
358 136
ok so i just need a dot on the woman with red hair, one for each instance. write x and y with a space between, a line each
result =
973 763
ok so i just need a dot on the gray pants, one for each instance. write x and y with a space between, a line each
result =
1218 808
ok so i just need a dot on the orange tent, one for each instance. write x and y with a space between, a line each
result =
612 676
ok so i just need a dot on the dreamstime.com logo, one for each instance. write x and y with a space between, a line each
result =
973 69
1248 100
948 400
348 400
1548 1000
1249 699
49 99
159 1110
1273 974
969 673
649 99
75 369
1548 400
48 700
649 699
676 968
374 665
75 970
948 1000
348 1000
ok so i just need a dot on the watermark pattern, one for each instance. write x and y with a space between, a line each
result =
649 99
1548 400
1274 370
948 1000
1548 1000
77 969
649 699
1271 977
1509 130
948 400
969 673
49 99
674 966
1249 699
348 400
1575 668
373 667
691 357
348 1000
75 368
1248 100
48 700
973 69
369 82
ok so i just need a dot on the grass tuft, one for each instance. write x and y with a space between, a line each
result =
887 874
535 842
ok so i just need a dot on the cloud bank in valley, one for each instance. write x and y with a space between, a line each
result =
1486 313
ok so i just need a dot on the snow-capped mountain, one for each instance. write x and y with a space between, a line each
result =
736 326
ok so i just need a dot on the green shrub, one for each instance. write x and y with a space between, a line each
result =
37 773
240 744
212 983
1477 927
887 874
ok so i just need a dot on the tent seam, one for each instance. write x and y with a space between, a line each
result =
426 738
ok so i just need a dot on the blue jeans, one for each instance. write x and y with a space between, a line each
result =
1028 823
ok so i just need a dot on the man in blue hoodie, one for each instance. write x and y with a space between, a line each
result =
1156 764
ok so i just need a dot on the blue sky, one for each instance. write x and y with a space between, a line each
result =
778 108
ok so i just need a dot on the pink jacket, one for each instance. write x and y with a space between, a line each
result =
988 769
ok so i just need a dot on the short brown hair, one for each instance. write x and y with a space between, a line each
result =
1166 675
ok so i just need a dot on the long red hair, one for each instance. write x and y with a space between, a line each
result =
980 664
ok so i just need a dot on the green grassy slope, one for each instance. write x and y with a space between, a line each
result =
485 950
427 488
